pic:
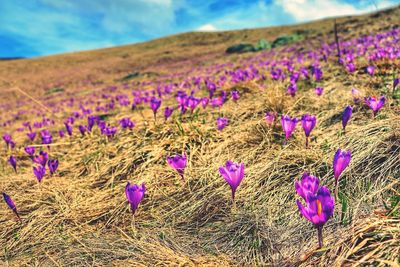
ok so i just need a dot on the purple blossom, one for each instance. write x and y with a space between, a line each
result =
340 162
82 129
270 117
371 70
375 104
348 111
126 123
307 185
13 162
221 123
288 126
292 89
39 172
68 127
31 136
204 102
10 203
30 150
134 194
154 105
318 209
53 165
318 91
41 158
178 163
168 112
233 174
61 133
235 95
308 123
395 83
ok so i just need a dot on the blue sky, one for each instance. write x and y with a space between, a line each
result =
43 27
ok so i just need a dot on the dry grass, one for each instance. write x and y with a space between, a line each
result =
80 216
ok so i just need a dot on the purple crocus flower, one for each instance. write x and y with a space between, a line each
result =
351 67
53 165
292 89
178 163
340 162
46 137
61 133
82 129
318 91
318 209
10 203
41 158
155 104
288 126
126 123
233 174
270 118
235 95
13 162
134 194
371 70
308 123
348 111
68 127
168 112
31 136
375 104
39 172
307 185
30 150
8 139
204 102
221 123
395 83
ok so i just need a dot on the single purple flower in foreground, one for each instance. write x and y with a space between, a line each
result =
308 123
178 163
10 203
375 104
233 174
13 162
288 126
134 194
221 123
270 118
308 184
168 112
348 111
53 165
318 209
39 172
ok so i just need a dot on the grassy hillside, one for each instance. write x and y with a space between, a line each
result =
79 216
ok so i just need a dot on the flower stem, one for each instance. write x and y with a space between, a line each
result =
320 241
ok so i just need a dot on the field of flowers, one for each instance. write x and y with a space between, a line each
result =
285 157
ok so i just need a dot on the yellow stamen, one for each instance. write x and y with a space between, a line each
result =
319 207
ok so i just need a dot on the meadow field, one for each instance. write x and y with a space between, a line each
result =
238 159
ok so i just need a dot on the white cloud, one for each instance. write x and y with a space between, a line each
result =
305 10
207 28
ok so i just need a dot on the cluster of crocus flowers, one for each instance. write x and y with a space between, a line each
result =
319 204
178 163
221 123
340 162
348 111
374 103
134 193
233 174
308 123
10 203
126 123
288 126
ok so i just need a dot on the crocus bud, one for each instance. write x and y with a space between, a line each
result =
41 158
82 129
318 91
10 203
348 111
270 118
31 136
134 194
30 150
340 162
154 105
235 95
233 174
13 162
308 123
168 112
39 172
